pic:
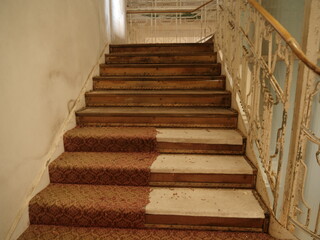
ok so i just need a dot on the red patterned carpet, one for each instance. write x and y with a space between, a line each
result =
36 232
90 206
132 169
110 139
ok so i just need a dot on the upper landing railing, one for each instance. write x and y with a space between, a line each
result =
170 21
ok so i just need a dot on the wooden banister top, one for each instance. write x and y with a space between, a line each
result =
168 10
287 37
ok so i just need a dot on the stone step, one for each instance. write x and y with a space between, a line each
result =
138 169
163 140
139 207
158 98
150 57
158 116
229 209
160 82
73 233
160 69
167 47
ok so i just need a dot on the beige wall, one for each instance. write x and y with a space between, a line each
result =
47 51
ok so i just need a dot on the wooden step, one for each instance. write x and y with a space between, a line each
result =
227 209
168 47
158 116
158 98
153 58
110 206
160 82
193 170
200 141
116 168
160 69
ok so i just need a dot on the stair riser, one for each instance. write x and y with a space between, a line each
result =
109 70
169 49
168 85
159 121
203 180
217 100
109 59
169 221
196 148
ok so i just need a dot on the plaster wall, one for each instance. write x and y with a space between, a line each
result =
47 50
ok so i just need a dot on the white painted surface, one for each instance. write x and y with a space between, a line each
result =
206 136
192 163
204 202
118 21
47 50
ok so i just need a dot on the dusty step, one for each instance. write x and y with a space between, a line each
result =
164 140
171 47
150 57
44 232
138 207
203 140
157 116
228 209
202 171
160 69
169 83
158 98
138 169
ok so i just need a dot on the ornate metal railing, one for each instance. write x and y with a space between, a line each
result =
161 21
277 87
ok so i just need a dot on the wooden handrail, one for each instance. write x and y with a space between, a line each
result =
287 37
169 10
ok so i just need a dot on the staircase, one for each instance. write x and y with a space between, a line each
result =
156 155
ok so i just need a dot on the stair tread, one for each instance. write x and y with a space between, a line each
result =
120 54
152 78
202 164
158 44
202 135
68 233
158 65
174 135
171 92
225 203
164 163
229 203
155 110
